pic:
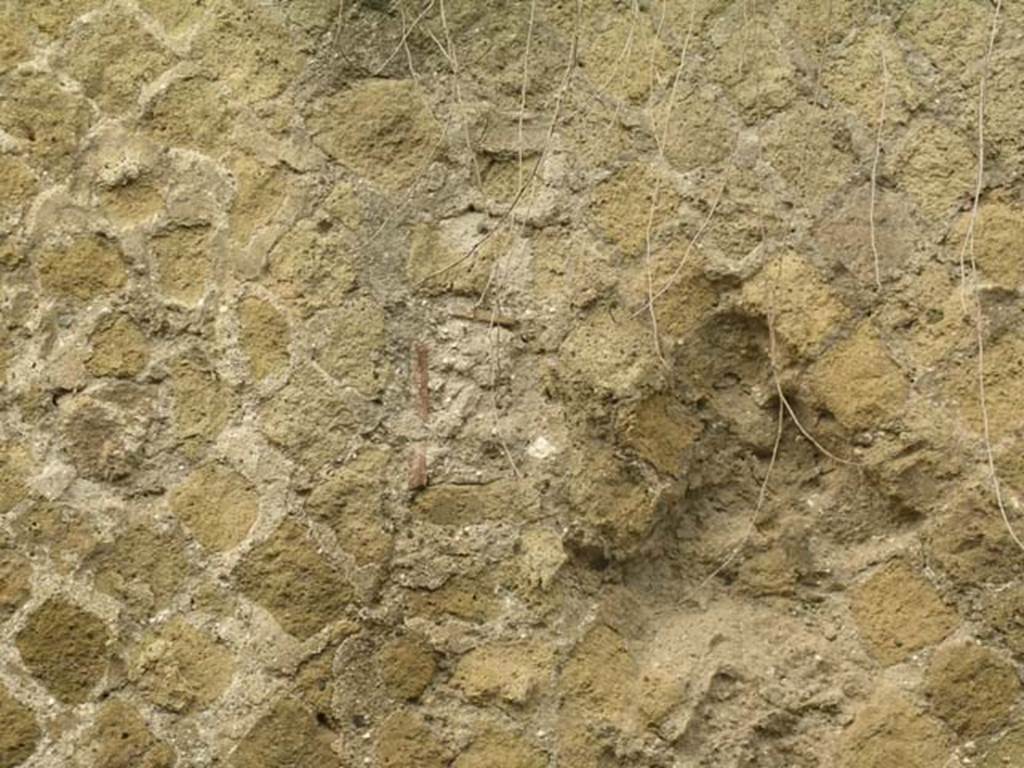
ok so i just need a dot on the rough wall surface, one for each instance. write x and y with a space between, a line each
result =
520 383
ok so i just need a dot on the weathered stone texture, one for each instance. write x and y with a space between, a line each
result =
464 383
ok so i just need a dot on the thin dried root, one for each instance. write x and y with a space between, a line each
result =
456 75
626 48
979 182
686 254
761 495
660 141
650 280
522 94
979 316
404 42
396 210
784 401
559 100
874 167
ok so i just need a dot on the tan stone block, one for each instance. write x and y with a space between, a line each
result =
621 207
494 747
288 736
856 77
66 648
113 57
180 668
753 62
972 688
472 596
660 430
888 731
217 504
936 166
351 502
310 268
608 355
451 504
247 45
119 738
624 57
1004 387
189 112
406 664
85 268
1003 610
99 443
15 466
806 311
952 33
264 335
261 191
46 119
998 235
20 183
898 612
119 348
511 672
202 401
858 381
609 494
144 567
601 675
969 543
184 263
19 732
351 342
54 16
404 739
313 418
381 129
15 582
15 40
1008 750
287 575
435 264
810 148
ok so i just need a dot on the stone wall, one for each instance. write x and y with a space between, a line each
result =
520 383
